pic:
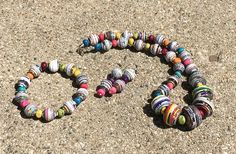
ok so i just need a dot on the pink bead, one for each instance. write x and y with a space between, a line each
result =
202 113
84 85
170 85
164 51
151 38
114 43
101 92
101 37
112 90
186 62
24 103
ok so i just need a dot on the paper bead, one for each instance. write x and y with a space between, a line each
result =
204 104
81 79
93 38
68 69
160 102
170 55
179 67
35 70
116 73
173 46
53 66
155 49
49 114
139 45
83 93
20 96
171 114
25 81
164 89
159 39
110 35
119 85
196 78
106 45
191 68
184 55
202 91
69 107
30 110
142 36
107 84
130 73
123 42
192 116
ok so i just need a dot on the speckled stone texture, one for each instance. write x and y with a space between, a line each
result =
35 31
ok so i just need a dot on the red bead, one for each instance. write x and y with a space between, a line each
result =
164 51
44 66
114 43
170 85
151 38
101 37
202 113
84 85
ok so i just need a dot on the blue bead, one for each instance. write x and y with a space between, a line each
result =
77 100
179 50
156 93
98 47
178 74
86 42
21 88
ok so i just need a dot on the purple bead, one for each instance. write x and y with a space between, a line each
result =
109 77
125 78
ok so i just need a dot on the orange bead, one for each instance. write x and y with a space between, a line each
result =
166 42
30 75
176 60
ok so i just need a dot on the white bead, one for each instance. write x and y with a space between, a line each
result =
53 66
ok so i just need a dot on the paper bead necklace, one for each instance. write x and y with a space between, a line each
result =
189 116
48 114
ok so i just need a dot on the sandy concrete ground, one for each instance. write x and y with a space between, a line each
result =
33 31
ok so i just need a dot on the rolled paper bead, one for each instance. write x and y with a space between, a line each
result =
159 39
125 78
23 103
30 110
104 87
101 37
171 114
116 73
179 67
164 51
202 91
123 42
119 85
191 68
155 49
179 50
49 114
93 39
110 35
160 102
170 85
69 107
76 73
83 92
139 45
205 105
38 113
192 116
178 74
30 75
35 70
114 43
173 79
142 36
112 90
131 41
60 113
20 96
156 93
127 35
53 66
98 46
68 69
111 78
130 73
81 79
166 42
62 67
187 61
196 78
164 89
135 35
176 60
86 42
173 46
106 45
78 100
184 55
170 55
21 88
24 80
44 66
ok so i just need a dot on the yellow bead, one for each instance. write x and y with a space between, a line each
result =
118 35
76 72
135 35
199 84
39 113
131 41
62 67
147 46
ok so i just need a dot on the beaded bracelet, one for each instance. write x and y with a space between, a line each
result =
30 110
188 116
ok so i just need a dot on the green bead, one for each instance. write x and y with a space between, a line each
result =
135 35
62 67
181 120
60 113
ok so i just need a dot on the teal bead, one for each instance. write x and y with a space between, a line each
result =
179 50
156 93
21 88
178 74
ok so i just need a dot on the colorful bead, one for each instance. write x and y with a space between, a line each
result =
110 35
86 42
30 110
49 114
35 70
60 113
69 107
23 103
170 55
191 68
204 104
116 73
159 39
81 79
39 114
68 69
101 37
173 46
130 73
139 45
155 49
114 43
171 114
131 41
123 42
93 39
106 45
196 78
44 66
160 102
